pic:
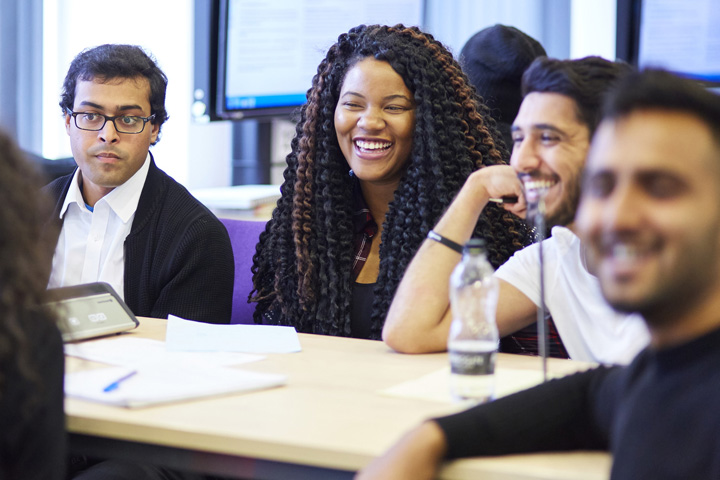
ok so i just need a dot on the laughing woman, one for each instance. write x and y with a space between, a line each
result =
389 133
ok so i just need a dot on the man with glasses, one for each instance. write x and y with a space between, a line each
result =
125 221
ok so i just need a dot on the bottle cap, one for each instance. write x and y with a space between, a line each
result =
474 246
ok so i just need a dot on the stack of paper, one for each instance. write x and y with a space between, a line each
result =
191 363
435 386
144 353
152 386
189 336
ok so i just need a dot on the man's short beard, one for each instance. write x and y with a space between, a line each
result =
664 307
565 213
655 315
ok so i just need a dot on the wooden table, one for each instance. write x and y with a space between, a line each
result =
328 421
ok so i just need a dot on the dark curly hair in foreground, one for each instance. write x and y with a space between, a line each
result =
303 263
25 261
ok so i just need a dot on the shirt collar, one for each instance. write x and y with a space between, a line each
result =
123 200
73 195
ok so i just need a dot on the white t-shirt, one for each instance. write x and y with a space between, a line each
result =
91 245
589 328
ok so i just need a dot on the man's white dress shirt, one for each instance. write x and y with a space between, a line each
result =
91 247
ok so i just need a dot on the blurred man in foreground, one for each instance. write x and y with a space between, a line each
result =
650 217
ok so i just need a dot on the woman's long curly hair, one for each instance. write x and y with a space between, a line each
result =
25 261
303 262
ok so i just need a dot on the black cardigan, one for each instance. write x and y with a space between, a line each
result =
178 256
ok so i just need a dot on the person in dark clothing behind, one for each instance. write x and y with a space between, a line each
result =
650 216
32 423
494 60
124 221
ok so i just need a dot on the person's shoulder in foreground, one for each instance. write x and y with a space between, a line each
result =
652 227
32 423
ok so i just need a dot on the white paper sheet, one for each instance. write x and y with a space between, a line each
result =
189 336
137 353
435 386
150 386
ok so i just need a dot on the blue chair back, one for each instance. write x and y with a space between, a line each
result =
244 235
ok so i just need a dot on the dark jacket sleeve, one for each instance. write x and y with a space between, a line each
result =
556 416
178 256
201 272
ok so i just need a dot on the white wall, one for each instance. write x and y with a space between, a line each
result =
592 22
592 28
453 22
195 155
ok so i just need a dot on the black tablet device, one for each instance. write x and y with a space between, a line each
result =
90 310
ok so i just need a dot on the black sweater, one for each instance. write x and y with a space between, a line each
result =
659 416
178 256
32 423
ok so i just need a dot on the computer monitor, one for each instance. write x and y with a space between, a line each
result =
263 55
678 35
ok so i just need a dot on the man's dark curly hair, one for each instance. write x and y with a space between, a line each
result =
303 263
109 62
25 262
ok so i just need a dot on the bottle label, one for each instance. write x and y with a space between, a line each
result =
472 363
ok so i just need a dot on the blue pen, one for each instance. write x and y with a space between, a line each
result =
114 385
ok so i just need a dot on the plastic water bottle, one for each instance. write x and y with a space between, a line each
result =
473 339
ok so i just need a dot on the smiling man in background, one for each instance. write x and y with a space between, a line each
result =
551 134
125 221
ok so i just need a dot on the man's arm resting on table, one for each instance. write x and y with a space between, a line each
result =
419 317
558 415
555 416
